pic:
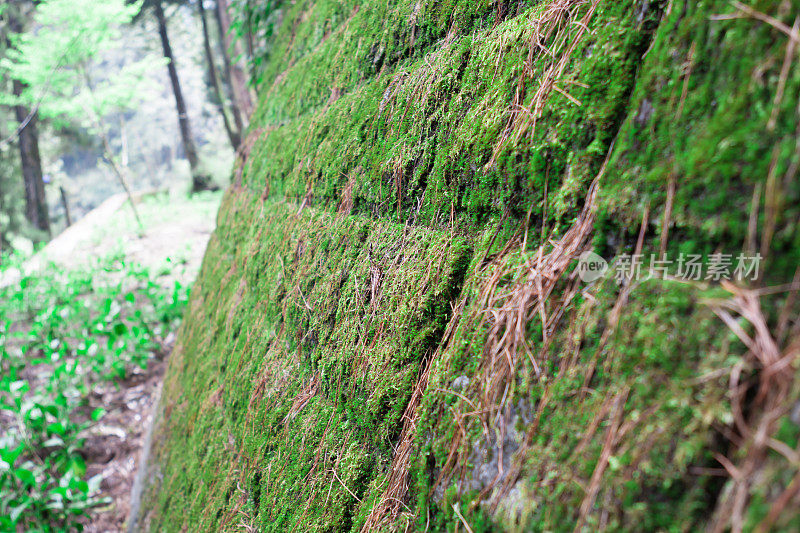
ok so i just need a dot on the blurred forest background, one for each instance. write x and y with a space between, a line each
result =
109 97
130 112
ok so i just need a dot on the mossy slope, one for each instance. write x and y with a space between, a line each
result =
395 192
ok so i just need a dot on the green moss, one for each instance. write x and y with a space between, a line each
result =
715 142
421 139
345 310
385 181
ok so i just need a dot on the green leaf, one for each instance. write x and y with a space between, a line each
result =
77 466
49 409
10 455
26 476
58 493
78 485
94 483
20 386
18 510
57 428
98 413
53 442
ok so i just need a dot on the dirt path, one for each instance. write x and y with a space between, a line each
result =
176 231
114 448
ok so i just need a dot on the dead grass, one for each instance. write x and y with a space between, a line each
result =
773 367
556 35
302 399
392 501
613 435
509 311
516 290
346 203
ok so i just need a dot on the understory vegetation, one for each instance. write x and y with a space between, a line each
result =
62 333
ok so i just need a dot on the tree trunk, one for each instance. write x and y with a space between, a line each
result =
30 160
250 38
226 72
234 135
65 204
199 182
236 74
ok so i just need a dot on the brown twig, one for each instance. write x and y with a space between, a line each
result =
608 447
791 48
685 90
775 374
662 249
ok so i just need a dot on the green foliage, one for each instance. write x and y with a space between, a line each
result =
12 204
61 333
62 61
255 24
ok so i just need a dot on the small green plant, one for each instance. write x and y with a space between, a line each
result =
61 333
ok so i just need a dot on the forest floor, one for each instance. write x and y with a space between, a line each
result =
176 233
170 247
173 234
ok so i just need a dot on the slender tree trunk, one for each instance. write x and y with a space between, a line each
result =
28 140
119 171
108 152
30 160
199 182
234 136
236 74
65 204
236 109
250 38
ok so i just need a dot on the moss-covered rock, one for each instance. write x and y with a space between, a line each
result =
386 333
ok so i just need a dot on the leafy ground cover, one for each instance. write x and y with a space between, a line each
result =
61 335
85 326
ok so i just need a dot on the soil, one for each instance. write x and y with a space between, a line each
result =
114 447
